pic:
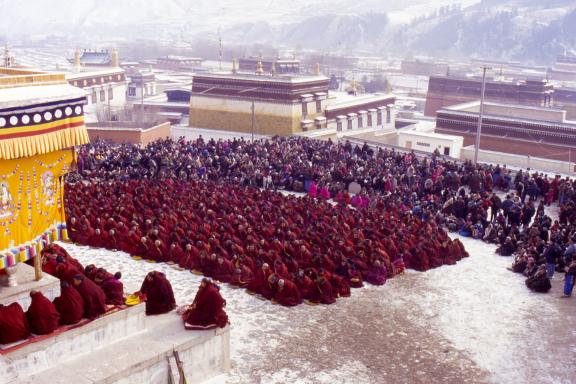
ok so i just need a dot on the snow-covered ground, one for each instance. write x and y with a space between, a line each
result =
473 322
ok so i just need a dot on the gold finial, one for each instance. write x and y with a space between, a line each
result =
234 66
317 69
273 69
7 56
77 63
115 61
259 68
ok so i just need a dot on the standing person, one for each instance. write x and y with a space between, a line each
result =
569 278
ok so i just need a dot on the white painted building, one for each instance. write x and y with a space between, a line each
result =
447 145
106 88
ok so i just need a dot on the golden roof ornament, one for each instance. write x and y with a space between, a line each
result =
259 68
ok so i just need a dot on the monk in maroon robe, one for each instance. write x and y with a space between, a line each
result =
159 294
69 304
287 294
207 309
13 323
304 284
42 315
322 292
93 296
377 274
260 279
111 285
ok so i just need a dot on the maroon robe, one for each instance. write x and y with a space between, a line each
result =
322 292
114 290
70 305
13 323
288 295
159 294
377 275
94 298
207 310
42 315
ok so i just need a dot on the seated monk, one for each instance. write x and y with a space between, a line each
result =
66 270
159 294
340 285
269 289
399 266
69 304
223 270
242 276
378 274
93 296
207 309
90 271
13 323
42 315
304 284
322 292
287 294
111 285
260 279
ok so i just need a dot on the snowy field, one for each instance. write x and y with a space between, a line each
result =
474 322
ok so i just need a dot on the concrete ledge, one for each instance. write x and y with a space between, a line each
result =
144 358
48 285
45 354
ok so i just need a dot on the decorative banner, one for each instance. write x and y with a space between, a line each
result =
31 205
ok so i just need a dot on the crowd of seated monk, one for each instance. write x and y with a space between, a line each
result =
283 247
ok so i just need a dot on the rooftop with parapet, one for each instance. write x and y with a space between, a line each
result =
279 78
511 112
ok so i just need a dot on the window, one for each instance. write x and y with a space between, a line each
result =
102 95
359 122
339 126
132 91
388 115
379 118
110 94
446 151
369 119
318 106
304 109
94 97
349 124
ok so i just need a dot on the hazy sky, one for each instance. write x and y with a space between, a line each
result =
47 16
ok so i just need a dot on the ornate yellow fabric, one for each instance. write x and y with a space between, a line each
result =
42 138
31 204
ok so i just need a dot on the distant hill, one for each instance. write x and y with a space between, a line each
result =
534 30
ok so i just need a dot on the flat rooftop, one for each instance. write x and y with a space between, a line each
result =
339 100
264 78
527 113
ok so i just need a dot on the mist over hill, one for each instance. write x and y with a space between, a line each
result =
527 30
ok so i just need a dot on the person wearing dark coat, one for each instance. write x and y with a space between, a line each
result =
540 281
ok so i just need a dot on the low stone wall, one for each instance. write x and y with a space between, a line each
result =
40 356
125 347
130 135
519 161
48 285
